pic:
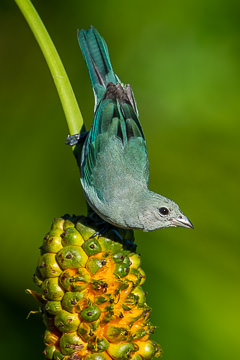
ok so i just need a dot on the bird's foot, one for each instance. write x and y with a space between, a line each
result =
75 139
101 231
106 227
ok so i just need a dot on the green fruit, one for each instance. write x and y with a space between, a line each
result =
91 247
51 289
71 237
90 313
53 307
121 351
66 322
48 266
70 343
71 257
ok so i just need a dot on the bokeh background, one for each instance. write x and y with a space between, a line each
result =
182 60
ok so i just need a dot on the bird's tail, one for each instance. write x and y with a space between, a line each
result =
96 55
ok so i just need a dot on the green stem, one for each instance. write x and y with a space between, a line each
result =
64 88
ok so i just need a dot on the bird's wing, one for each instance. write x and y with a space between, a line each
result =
115 149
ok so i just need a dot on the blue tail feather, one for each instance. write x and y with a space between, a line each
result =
96 55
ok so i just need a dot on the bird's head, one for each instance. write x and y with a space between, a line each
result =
160 212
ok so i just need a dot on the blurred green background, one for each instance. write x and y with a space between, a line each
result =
182 60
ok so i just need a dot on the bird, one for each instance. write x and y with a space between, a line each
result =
114 160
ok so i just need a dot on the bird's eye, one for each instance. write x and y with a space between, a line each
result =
163 211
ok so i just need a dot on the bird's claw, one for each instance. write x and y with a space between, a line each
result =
73 139
102 230
76 138
106 228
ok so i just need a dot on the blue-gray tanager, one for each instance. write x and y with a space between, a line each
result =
114 161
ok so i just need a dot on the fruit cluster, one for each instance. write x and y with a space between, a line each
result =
92 302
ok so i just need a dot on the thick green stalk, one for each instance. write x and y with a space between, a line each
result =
64 88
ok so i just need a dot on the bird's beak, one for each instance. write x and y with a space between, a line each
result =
182 221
